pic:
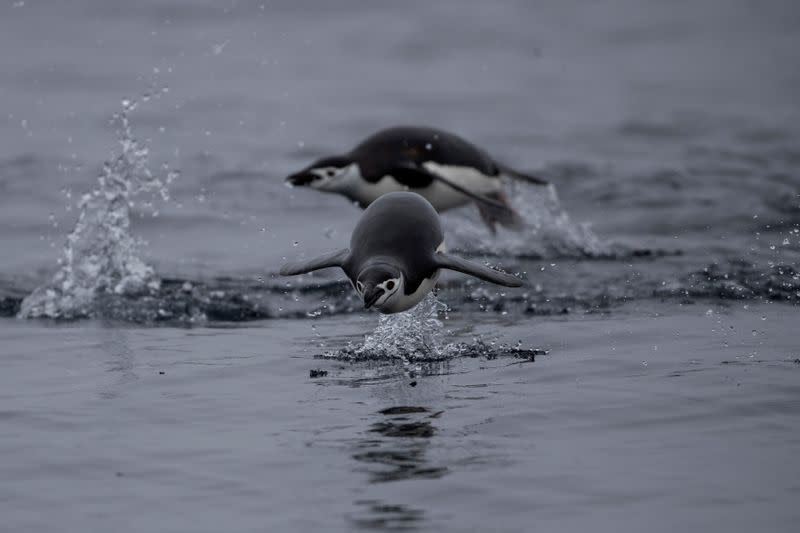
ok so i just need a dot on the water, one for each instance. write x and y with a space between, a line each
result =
419 336
101 256
157 375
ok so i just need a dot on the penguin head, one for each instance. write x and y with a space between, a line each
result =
326 174
379 285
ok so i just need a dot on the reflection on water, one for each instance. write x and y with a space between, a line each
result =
381 516
396 450
120 363
401 454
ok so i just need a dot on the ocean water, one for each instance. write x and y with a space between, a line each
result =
158 376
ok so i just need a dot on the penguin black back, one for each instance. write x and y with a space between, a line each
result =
378 154
402 226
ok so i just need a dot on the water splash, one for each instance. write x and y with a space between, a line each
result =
418 335
101 257
412 335
549 231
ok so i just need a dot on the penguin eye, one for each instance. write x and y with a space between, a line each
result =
330 172
390 285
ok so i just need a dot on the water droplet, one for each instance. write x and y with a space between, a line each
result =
105 260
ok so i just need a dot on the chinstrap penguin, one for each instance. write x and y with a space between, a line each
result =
441 166
395 255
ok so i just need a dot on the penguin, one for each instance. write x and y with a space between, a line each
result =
441 166
396 252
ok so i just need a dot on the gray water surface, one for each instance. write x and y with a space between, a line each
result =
647 376
683 421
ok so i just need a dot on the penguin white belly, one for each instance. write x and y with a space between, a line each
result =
404 302
367 193
445 197
439 194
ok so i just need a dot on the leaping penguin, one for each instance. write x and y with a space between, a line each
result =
441 166
395 255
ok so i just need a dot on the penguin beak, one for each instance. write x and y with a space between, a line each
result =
371 295
301 179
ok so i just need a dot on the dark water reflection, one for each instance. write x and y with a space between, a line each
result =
396 449
397 445
120 362
380 516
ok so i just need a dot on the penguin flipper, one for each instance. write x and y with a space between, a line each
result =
452 262
510 172
406 173
332 259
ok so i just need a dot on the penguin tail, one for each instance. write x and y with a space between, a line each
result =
505 215
511 173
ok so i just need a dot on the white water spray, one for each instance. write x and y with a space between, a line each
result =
419 336
549 231
100 254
